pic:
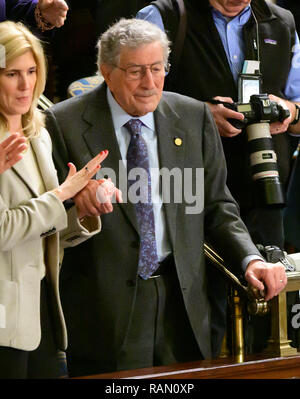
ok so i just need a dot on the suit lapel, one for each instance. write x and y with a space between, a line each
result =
100 135
45 163
171 156
20 169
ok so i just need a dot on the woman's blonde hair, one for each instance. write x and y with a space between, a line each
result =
15 40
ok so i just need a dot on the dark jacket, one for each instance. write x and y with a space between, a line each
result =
23 11
294 7
18 11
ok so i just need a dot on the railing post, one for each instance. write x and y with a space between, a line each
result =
237 307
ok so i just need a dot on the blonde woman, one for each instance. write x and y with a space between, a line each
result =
34 225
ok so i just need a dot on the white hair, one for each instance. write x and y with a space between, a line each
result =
131 33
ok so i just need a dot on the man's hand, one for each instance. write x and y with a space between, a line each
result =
88 203
107 192
54 11
221 114
269 278
281 127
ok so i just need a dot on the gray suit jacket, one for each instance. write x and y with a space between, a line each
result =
99 279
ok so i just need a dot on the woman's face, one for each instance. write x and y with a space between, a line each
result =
17 83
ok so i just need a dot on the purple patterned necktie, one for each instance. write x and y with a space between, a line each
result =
137 157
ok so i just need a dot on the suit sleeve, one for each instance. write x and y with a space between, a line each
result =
21 11
77 230
37 217
24 11
40 217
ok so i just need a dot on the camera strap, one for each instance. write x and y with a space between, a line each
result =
225 103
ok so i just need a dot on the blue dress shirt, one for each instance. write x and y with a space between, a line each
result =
231 34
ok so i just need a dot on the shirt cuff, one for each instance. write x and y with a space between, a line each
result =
249 258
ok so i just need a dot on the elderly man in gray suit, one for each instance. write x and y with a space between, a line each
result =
136 295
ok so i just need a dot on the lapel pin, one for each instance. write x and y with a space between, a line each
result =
178 141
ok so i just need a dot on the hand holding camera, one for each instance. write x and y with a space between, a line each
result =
223 114
260 109
256 113
282 126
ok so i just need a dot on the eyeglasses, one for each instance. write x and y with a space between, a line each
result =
136 72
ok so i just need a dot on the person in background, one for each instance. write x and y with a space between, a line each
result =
38 15
35 225
214 74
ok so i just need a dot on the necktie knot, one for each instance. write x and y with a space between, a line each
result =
134 126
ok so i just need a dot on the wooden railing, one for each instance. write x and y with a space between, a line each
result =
252 368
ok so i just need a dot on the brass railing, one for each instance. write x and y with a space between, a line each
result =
245 299
241 299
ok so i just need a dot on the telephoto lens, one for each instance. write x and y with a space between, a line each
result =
263 159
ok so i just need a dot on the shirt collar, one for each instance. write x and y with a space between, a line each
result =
120 117
241 18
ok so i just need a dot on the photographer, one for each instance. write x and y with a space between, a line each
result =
219 36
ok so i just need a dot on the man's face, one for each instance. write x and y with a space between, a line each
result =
141 95
229 8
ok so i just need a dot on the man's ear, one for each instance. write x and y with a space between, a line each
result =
105 72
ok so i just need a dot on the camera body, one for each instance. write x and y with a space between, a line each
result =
274 254
260 109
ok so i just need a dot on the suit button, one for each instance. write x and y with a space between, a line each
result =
135 244
130 283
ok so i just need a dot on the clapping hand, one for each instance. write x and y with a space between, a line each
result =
106 193
97 198
11 151
76 181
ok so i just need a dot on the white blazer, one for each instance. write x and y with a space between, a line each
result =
25 218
